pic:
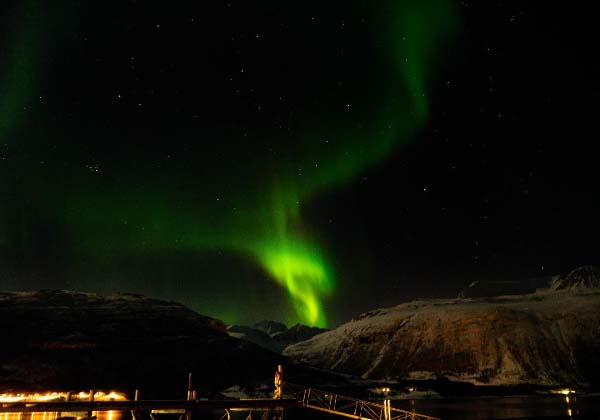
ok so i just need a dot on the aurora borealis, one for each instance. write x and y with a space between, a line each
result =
245 159
268 227
18 69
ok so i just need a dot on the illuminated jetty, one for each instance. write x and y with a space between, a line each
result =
112 405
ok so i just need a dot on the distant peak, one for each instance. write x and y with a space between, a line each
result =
270 327
585 277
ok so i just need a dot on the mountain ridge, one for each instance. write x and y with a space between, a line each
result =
75 340
545 338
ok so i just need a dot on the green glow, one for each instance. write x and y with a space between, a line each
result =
417 29
17 70
303 273
261 217
293 259
269 233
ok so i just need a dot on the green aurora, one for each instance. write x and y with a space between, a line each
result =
266 223
17 74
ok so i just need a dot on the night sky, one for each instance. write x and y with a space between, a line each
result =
300 161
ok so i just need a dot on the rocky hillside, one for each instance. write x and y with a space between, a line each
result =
551 338
71 340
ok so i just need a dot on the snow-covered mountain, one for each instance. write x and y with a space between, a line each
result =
254 335
551 337
274 335
295 334
584 277
270 327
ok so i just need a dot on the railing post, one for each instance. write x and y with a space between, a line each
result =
189 387
136 397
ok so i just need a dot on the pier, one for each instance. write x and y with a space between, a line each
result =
285 396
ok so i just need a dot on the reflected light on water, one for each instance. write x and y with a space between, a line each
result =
100 415
109 415
563 391
61 396
50 396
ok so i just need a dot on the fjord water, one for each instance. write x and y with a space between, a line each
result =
551 407
497 408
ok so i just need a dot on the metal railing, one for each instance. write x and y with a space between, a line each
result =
332 403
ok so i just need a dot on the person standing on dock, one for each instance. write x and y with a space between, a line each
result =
278 383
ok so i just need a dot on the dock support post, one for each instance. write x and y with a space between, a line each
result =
91 400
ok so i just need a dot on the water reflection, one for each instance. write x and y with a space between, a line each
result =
62 396
99 415
517 407
571 405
